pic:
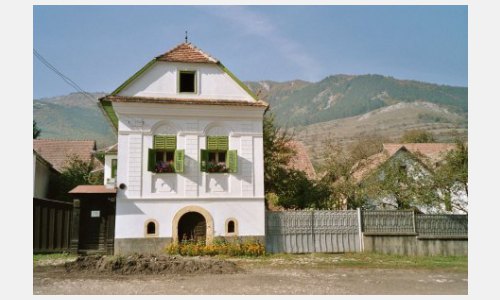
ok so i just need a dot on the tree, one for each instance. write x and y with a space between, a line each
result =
36 130
277 154
403 183
342 189
451 177
77 172
284 186
417 136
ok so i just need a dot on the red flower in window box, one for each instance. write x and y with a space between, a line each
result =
219 167
164 167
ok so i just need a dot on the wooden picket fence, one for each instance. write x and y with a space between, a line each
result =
51 225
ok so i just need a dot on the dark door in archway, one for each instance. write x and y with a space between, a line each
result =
192 227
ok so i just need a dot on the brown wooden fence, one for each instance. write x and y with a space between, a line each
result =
51 225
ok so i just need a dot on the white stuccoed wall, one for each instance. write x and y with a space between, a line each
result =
239 195
41 177
107 166
161 81
132 215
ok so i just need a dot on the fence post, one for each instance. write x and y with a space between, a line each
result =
414 222
360 231
75 227
312 231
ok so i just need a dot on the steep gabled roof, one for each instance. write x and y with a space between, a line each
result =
300 161
187 53
434 152
57 152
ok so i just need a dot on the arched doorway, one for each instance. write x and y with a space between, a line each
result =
177 227
192 227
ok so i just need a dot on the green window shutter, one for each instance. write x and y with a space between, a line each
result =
179 161
166 142
159 142
203 160
171 142
222 143
151 160
114 164
232 161
212 142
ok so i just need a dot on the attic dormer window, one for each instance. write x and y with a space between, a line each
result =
187 82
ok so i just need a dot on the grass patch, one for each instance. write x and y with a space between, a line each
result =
363 260
37 258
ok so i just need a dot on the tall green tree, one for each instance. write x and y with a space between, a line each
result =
36 130
342 189
77 172
277 154
286 187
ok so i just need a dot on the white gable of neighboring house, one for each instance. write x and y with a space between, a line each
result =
161 81
419 171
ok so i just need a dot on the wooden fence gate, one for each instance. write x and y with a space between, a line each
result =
312 231
51 225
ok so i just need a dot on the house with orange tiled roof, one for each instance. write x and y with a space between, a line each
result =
301 161
419 159
50 159
189 159
59 152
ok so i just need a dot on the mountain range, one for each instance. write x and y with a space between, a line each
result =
342 108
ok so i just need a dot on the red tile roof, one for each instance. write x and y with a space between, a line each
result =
92 189
57 152
188 53
434 152
301 159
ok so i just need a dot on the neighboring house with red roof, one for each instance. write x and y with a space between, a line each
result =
419 158
189 155
59 152
51 157
300 161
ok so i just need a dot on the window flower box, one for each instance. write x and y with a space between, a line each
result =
213 167
164 167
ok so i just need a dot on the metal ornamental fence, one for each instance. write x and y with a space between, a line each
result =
442 226
342 231
398 222
312 231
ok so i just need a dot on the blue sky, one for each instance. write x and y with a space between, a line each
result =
99 47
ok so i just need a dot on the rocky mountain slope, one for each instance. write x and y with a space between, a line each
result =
341 108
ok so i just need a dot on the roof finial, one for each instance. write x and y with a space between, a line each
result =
186 37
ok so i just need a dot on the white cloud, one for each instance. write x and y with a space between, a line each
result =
252 23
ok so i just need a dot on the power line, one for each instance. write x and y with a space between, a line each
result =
63 77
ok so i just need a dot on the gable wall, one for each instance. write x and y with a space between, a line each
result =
160 81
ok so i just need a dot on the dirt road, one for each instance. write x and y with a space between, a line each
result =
258 279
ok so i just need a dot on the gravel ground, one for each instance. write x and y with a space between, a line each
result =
257 279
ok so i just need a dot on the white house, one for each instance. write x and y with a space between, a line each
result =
43 172
190 153
418 160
